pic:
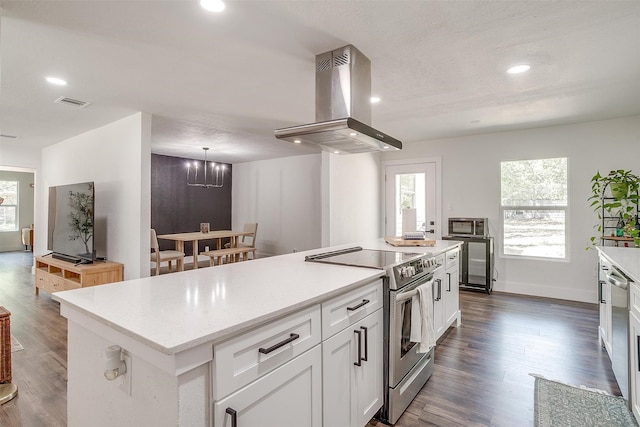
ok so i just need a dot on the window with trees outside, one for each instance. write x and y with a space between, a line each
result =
9 206
534 206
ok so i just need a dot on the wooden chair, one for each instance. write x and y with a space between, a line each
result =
159 256
248 241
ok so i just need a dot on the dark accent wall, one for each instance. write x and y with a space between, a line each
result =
178 208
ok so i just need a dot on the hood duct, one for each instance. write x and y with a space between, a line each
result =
343 107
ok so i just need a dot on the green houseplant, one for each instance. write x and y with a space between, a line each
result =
616 195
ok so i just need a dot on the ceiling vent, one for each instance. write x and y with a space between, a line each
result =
73 102
8 136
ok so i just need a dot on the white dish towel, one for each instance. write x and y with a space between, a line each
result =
422 331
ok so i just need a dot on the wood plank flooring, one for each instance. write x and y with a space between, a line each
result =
481 374
481 368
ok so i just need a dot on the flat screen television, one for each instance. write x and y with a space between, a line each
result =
70 223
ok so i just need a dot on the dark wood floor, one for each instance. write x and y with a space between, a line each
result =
481 375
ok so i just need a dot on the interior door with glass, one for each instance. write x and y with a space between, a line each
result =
410 190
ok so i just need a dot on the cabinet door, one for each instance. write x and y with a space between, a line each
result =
369 384
289 396
634 363
451 292
352 387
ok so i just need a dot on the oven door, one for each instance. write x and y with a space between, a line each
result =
403 353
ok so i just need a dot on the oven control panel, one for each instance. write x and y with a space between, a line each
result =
409 271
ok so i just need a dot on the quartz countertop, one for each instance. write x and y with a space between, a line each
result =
627 259
174 312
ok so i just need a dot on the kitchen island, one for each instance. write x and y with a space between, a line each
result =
181 333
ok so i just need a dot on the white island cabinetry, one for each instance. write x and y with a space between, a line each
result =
271 373
352 357
451 287
239 342
446 291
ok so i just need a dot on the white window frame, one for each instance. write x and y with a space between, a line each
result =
14 206
566 209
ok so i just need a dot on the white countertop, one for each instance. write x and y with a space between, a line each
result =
628 259
174 312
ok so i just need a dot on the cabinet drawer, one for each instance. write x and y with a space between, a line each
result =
289 396
451 259
634 299
344 310
243 359
49 282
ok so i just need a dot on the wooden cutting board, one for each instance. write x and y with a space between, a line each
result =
399 241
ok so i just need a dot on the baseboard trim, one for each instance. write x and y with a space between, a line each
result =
558 292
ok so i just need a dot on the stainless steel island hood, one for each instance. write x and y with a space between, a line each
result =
343 107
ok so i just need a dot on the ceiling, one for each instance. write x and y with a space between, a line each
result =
227 80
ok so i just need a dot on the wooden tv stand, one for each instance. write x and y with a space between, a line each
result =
54 275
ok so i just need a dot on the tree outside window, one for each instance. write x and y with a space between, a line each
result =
534 206
9 206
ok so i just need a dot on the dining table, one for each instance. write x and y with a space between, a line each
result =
195 236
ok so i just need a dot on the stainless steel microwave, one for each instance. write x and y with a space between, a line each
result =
475 227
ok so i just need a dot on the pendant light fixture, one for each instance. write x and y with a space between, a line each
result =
213 174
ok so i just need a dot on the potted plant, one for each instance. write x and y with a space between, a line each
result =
620 201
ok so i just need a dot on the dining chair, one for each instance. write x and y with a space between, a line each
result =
168 256
248 241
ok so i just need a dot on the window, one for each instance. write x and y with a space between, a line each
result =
534 208
9 207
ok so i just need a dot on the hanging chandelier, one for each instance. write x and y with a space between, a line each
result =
213 174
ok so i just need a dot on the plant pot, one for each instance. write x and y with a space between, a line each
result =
619 190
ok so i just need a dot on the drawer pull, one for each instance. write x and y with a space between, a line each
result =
366 343
234 416
638 351
363 303
291 338
359 334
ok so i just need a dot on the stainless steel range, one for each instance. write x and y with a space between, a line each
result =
406 370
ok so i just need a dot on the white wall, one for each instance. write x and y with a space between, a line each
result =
283 197
12 240
471 187
117 157
353 198
307 202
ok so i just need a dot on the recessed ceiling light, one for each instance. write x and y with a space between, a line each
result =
336 152
517 69
353 134
212 5
296 141
385 147
375 99
56 81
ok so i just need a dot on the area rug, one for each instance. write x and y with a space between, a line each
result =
562 405
15 344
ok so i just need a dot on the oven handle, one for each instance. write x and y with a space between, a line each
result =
411 291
